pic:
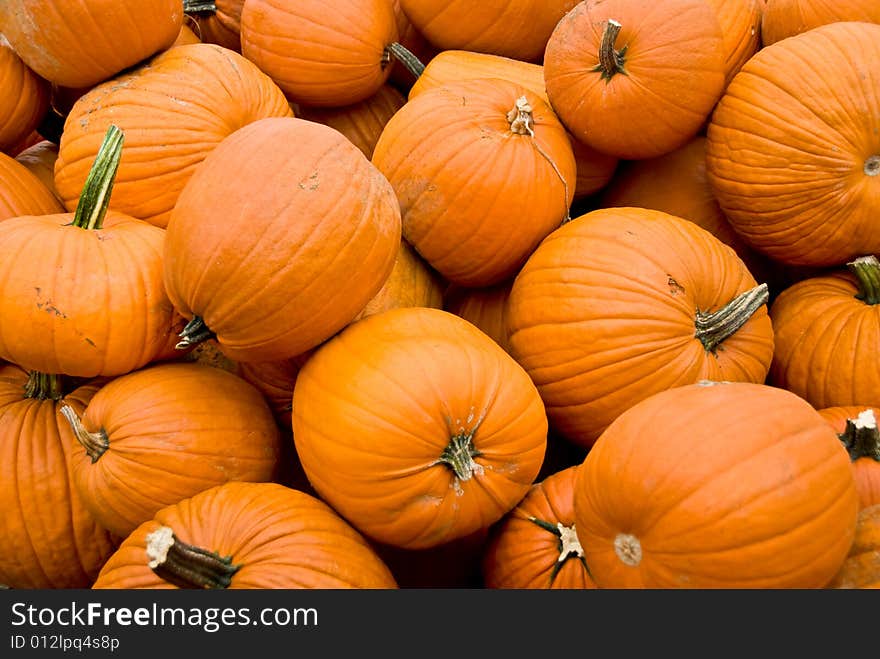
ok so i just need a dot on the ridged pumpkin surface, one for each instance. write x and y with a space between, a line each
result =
787 18
740 22
866 461
221 26
22 192
861 569
25 97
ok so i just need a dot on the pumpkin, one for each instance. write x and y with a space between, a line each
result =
740 22
622 303
48 539
163 433
857 429
417 461
294 200
22 192
484 307
362 123
786 18
514 28
716 485
186 37
25 98
217 21
827 331
275 380
324 55
479 193
861 569
535 546
634 78
40 159
78 43
245 536
109 313
793 154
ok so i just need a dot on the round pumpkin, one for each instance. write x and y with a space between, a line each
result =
622 303
535 546
264 240
417 427
635 78
857 429
22 192
48 539
25 98
77 43
217 21
245 536
861 569
160 434
716 485
483 170
787 18
793 151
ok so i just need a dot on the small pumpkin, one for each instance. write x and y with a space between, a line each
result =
25 98
245 536
217 21
787 18
857 429
861 569
716 485
22 192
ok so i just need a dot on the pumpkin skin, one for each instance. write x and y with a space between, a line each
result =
793 155
25 98
330 57
174 112
482 148
83 42
518 29
484 307
866 468
39 159
166 432
47 537
22 192
861 569
186 37
716 485
281 539
221 26
417 463
824 334
674 68
322 213
411 39
275 380
740 22
624 286
527 549
786 18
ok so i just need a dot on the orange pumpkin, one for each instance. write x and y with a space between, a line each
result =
622 303
174 111
218 21
40 159
857 429
787 18
861 569
22 192
793 154
536 545
740 22
24 101
417 427
78 43
411 39
246 536
635 78
155 436
484 307
483 170
265 238
716 485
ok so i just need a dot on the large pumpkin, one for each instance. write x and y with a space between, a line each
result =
245 535
793 152
24 101
77 43
174 111
787 18
155 436
266 236
622 303
861 569
635 78
483 170
716 485
857 429
22 192
417 427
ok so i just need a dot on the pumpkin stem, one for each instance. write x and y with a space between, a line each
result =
44 387
95 443
867 271
194 333
715 328
199 7
187 566
861 438
569 545
628 549
405 56
95 197
872 166
611 61
459 456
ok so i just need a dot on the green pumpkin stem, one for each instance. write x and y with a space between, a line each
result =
95 197
194 333
405 56
867 271
861 438
199 7
42 386
611 61
712 329
459 456
94 443
187 566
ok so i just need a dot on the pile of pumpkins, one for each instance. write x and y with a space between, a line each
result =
420 293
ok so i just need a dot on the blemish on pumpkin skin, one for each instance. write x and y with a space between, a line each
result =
674 287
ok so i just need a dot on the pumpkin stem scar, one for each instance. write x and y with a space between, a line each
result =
872 166
611 61
199 7
628 549
403 55
867 272
95 443
194 333
187 566
41 386
94 200
861 437
712 329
